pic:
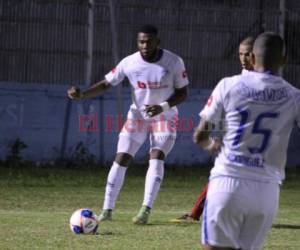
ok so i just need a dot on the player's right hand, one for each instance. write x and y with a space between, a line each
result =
74 93
214 145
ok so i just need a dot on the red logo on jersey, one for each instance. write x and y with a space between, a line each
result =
184 74
113 70
151 85
209 101
141 85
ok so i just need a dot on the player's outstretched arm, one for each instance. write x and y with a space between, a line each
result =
178 97
202 137
95 90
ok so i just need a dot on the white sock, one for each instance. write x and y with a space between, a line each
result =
154 177
114 184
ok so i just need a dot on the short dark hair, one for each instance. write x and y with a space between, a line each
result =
248 41
148 29
269 48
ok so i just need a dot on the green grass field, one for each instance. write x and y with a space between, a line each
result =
36 204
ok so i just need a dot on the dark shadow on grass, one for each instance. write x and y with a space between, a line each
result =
108 233
285 226
184 224
168 223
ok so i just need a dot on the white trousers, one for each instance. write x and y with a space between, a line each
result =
238 213
161 130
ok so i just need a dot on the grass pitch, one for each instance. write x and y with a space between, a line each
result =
37 202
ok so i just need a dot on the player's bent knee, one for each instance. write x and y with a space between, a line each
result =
123 159
157 154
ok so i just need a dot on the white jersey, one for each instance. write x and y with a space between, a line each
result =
260 110
245 71
152 83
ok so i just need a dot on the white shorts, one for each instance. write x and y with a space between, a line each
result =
160 129
238 213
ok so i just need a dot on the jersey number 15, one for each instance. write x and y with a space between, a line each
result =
256 129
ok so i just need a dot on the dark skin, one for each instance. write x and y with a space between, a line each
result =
148 46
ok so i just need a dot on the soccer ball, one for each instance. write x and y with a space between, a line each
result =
84 221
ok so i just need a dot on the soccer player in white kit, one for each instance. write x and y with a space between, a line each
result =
260 109
245 49
159 82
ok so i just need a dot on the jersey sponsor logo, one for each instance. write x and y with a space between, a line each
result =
141 85
266 95
151 85
184 74
209 101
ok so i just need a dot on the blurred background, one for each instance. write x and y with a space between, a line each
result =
48 45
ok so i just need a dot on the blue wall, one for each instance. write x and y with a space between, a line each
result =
37 115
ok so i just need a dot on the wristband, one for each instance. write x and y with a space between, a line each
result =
165 106
210 144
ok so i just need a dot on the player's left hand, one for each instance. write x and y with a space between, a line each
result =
153 110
